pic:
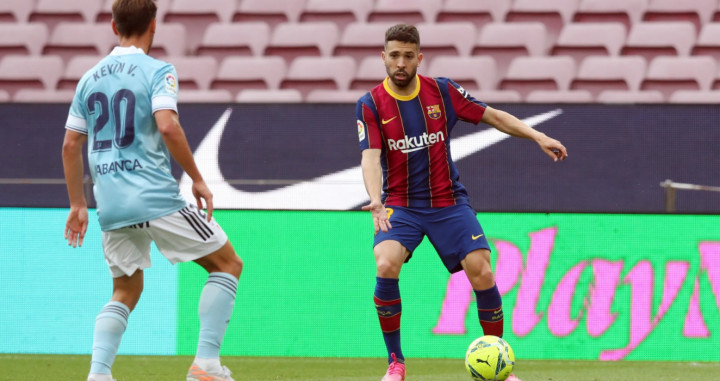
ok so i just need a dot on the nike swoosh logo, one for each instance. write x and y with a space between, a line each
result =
474 237
340 190
389 120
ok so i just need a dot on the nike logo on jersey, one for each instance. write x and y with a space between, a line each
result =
340 190
389 120
474 237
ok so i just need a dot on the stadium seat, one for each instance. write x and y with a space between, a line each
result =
497 96
405 11
669 74
4 96
334 96
204 96
241 73
43 96
169 40
22 38
75 68
472 73
269 96
599 73
271 12
446 39
507 41
52 12
479 12
105 12
312 73
194 72
652 39
72 39
708 42
15 11
362 40
716 14
292 40
342 13
568 96
627 12
196 16
369 74
553 13
698 12
29 72
630 97
579 40
234 39
695 97
527 74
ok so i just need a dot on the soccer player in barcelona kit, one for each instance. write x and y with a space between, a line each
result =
125 107
404 127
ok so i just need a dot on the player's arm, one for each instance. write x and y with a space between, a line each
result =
174 137
511 125
77 221
372 177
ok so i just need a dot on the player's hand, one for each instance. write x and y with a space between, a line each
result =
381 221
553 148
201 192
76 226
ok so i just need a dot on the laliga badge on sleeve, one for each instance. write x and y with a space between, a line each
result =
361 130
171 84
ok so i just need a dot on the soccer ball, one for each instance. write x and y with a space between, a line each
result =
489 358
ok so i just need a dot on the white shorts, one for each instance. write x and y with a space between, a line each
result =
183 236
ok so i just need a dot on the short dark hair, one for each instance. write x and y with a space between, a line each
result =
403 33
133 17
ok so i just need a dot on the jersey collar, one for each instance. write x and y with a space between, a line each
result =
123 50
399 97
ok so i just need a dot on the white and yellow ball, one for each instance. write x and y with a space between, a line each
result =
489 358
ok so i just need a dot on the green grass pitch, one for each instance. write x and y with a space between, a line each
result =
161 368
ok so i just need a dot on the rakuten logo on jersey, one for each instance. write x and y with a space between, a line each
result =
415 143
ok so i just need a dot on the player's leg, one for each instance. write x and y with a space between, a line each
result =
389 258
110 324
187 236
392 249
489 303
461 243
127 251
217 300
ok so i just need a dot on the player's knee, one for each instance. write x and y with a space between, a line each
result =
130 299
235 266
387 268
486 274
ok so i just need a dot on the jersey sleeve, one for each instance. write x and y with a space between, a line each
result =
465 105
165 89
76 120
368 127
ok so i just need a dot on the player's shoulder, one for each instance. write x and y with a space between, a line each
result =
439 80
365 99
369 97
157 65
373 95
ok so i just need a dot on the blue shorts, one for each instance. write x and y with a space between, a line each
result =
454 231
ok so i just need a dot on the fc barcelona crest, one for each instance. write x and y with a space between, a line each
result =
433 111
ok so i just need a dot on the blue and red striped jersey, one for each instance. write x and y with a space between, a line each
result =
413 133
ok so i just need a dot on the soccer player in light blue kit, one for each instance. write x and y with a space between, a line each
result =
125 107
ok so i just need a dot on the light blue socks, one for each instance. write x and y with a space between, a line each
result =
216 306
109 327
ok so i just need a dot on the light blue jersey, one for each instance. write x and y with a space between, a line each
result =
130 164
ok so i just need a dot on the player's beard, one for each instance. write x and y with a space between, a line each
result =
402 83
